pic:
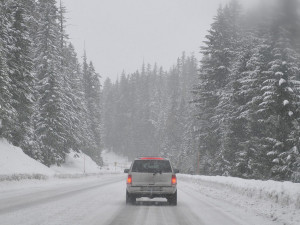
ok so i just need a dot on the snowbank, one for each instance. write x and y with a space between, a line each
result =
114 162
283 193
80 165
278 200
15 164
76 163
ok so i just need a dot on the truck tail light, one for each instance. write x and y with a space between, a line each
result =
154 158
174 179
129 179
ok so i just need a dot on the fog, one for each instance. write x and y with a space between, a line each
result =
121 35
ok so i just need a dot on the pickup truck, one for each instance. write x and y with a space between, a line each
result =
151 177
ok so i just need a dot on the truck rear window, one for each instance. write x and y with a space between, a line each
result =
151 166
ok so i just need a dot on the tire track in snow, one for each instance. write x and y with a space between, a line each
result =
152 212
33 199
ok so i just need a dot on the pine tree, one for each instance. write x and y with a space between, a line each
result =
213 92
50 121
188 150
92 95
173 124
21 66
281 94
108 113
8 114
73 93
247 96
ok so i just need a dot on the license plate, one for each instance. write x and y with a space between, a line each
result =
151 188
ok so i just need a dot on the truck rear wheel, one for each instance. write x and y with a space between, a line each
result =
130 199
173 199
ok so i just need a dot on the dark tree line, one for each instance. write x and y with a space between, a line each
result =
147 112
49 103
237 114
247 99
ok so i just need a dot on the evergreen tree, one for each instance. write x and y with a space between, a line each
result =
8 114
51 121
213 92
281 94
21 66
108 113
43 103
92 87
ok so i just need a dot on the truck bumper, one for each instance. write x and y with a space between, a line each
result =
151 191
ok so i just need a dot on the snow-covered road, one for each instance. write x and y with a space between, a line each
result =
101 200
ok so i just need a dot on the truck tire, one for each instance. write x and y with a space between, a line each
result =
173 199
130 199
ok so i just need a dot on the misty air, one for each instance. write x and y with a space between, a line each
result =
147 112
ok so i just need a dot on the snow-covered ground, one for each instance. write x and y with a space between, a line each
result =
278 201
16 165
76 163
13 161
114 162
100 200
210 200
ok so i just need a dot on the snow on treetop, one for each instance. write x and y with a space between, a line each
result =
285 102
289 89
281 81
221 67
271 153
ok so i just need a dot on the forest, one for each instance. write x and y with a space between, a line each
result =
49 103
234 112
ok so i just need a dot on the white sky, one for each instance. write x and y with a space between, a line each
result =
121 34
